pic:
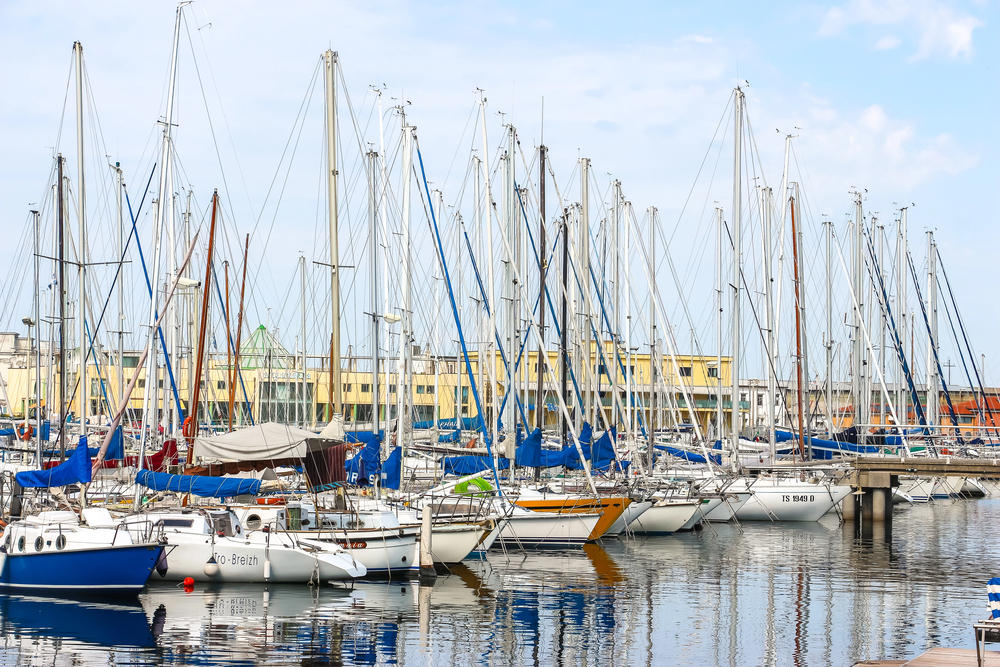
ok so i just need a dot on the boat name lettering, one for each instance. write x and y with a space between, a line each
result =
354 545
798 499
237 560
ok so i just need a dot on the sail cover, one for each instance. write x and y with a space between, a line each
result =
208 487
263 442
74 470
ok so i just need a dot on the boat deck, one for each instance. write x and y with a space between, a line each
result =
939 657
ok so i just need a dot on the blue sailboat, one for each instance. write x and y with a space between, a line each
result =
61 553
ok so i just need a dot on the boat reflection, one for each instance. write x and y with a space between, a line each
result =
121 624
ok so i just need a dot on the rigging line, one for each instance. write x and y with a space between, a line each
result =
472 114
961 324
211 126
933 345
961 356
225 120
876 273
725 116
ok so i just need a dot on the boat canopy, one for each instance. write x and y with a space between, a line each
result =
263 442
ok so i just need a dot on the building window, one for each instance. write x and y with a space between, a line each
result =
366 389
347 388
743 397
685 371
430 389
141 383
130 361
713 371
760 399
95 387
392 389
159 383
420 388
220 384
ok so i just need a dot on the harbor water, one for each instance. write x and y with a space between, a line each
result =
760 594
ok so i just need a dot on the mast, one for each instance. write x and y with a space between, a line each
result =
542 267
303 399
403 386
801 310
229 352
239 334
192 420
491 290
336 388
564 332
439 197
583 269
376 320
720 298
769 368
61 233
654 362
933 380
901 286
862 397
84 385
737 262
37 308
829 328
121 282
782 195
798 330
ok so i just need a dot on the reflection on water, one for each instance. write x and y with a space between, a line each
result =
811 594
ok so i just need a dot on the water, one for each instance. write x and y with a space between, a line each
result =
810 594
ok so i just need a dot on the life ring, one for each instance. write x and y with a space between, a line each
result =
478 482
270 501
472 444
25 431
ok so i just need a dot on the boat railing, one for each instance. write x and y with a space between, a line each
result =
469 506
140 530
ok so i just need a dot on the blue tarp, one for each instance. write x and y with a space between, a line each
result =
690 456
529 454
392 469
116 450
75 470
13 431
366 465
470 465
208 487
603 451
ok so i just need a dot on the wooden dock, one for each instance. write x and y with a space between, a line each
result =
945 466
939 657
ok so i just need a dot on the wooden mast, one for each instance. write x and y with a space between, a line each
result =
798 328
191 423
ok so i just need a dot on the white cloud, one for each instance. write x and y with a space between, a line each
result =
938 28
887 42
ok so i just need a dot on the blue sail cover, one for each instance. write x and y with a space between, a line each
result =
470 465
529 453
392 469
74 470
208 487
690 456
603 451
366 465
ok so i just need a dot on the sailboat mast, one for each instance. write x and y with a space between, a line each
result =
737 262
564 333
235 372
121 283
765 221
61 232
862 397
830 410
37 308
81 194
719 298
542 267
336 389
376 320
933 379
901 288
491 289
304 366
192 425
403 386
803 329
798 331
583 272
654 362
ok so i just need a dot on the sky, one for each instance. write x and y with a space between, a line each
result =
893 98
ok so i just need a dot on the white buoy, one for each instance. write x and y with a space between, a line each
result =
211 567
267 569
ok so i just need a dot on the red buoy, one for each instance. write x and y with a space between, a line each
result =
188 581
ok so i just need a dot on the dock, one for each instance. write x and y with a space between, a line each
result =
939 657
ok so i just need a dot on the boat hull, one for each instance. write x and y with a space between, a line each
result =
728 508
541 529
113 570
799 501
666 517
631 513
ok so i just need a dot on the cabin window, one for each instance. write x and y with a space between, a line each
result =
61 542
20 543
253 522
175 523
39 543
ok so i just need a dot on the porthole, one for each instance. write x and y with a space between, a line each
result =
61 542
305 522
20 543
39 543
253 522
